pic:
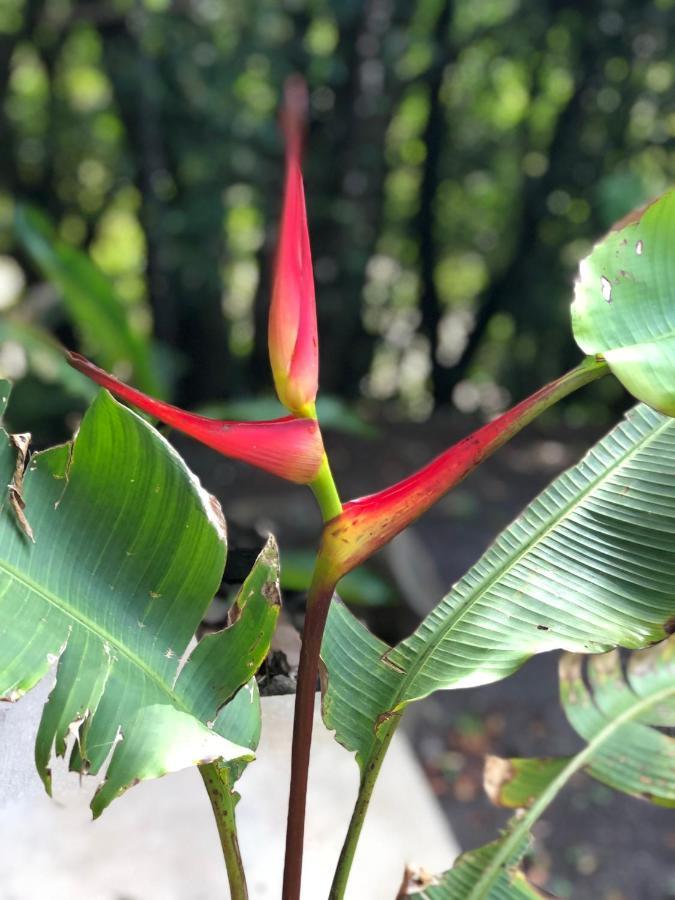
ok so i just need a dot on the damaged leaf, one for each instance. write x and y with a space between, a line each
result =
21 443
619 714
463 880
623 303
516 783
129 553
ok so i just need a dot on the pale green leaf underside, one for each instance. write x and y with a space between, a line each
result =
129 551
588 566
624 304
618 713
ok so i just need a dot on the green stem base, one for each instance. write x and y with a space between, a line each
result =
223 802
370 771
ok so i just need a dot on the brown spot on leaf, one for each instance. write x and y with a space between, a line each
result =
384 717
415 880
218 513
323 680
271 592
497 773
632 217
233 613
392 665
669 625
15 488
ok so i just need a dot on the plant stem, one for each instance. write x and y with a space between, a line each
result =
325 492
318 603
370 771
222 803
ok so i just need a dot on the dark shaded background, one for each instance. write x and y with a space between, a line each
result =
462 157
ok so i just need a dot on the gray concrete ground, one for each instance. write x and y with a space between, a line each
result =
159 843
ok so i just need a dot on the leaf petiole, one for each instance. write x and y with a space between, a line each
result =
223 802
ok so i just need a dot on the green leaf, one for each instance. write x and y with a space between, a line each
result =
240 719
618 713
624 303
362 587
162 739
90 301
588 566
129 551
459 881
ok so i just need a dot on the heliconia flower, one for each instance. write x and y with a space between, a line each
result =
368 523
291 447
292 336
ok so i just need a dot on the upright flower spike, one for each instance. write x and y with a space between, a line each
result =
290 448
292 337
368 523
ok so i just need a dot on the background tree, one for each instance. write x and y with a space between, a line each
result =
460 160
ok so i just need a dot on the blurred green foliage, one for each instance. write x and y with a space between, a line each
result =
461 158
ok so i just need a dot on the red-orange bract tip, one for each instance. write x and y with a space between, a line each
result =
291 448
293 340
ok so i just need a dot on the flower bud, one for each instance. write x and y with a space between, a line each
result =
292 338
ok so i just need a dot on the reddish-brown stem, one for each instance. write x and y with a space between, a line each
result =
318 603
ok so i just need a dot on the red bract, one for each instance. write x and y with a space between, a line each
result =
368 523
291 448
292 336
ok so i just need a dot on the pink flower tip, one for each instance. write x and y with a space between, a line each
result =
293 340
290 448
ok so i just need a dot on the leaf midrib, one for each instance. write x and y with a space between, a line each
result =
95 629
459 612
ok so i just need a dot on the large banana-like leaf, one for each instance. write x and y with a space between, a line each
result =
93 306
589 566
128 552
623 303
618 714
